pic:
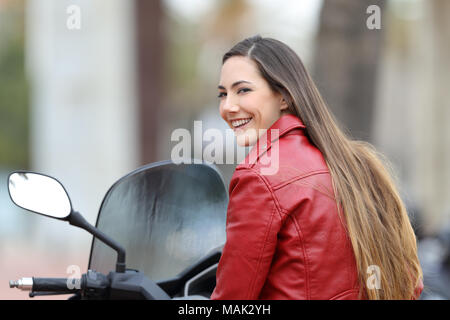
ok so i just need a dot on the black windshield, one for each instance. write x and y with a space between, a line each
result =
166 216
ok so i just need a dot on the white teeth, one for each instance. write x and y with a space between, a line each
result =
238 123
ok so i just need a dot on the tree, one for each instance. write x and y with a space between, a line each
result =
347 57
150 55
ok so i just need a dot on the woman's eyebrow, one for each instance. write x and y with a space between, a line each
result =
234 84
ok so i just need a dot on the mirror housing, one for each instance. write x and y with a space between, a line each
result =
39 193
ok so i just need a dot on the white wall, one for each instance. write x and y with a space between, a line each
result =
84 128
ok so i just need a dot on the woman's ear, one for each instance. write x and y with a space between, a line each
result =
283 104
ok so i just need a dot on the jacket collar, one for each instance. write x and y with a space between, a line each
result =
282 126
287 123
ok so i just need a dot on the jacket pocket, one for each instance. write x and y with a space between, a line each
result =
351 294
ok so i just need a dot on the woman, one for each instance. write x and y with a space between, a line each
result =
329 223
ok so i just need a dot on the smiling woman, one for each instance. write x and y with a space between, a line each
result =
329 216
248 104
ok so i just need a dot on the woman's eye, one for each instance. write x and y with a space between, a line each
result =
223 94
244 90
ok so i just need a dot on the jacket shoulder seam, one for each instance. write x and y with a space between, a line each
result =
300 177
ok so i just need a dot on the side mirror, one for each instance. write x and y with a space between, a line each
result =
45 195
39 193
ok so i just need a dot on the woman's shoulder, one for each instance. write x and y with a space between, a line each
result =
288 186
290 158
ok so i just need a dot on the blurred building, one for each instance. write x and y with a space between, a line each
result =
110 80
83 97
413 106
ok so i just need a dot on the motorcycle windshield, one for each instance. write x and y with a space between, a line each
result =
166 216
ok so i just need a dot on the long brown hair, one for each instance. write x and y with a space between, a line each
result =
375 216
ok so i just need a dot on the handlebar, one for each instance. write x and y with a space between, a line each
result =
56 285
95 285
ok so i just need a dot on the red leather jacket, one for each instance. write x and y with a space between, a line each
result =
285 239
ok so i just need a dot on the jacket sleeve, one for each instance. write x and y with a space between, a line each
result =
253 222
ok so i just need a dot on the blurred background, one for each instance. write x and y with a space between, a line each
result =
92 89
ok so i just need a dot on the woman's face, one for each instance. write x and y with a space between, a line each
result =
247 103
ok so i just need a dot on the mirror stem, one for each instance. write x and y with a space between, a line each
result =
77 219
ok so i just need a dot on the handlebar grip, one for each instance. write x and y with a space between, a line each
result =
54 285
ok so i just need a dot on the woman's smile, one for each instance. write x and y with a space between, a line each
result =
240 124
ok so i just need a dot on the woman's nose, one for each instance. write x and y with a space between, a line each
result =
230 106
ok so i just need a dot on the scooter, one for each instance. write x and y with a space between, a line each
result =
165 222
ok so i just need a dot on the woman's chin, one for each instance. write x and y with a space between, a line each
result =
243 143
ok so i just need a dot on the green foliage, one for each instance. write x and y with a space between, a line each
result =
14 111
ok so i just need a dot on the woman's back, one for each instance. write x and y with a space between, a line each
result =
302 251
